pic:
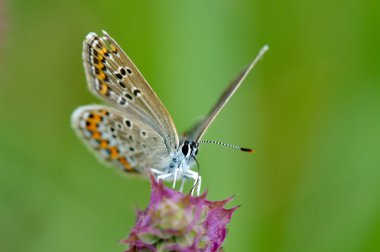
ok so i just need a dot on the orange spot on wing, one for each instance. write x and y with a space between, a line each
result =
91 126
100 57
127 166
96 135
95 118
114 152
113 49
123 160
104 50
103 144
101 75
99 65
103 89
99 50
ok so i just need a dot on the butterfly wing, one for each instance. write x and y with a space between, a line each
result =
196 133
131 145
113 77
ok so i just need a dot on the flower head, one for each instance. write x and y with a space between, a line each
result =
177 222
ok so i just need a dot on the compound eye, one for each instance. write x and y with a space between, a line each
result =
185 149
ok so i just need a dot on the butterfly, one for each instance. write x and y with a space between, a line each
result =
135 132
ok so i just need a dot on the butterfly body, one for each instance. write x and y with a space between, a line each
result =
135 132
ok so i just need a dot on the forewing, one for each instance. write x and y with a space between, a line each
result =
120 140
114 78
196 133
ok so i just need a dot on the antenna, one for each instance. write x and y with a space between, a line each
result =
228 145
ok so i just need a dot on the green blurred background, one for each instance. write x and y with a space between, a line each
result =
310 110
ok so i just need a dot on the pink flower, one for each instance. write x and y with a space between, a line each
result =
177 222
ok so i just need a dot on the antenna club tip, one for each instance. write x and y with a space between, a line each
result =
247 150
264 49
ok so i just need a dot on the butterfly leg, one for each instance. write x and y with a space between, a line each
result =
175 177
199 185
159 175
182 184
197 181
157 172
164 177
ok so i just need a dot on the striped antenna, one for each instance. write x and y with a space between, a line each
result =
228 145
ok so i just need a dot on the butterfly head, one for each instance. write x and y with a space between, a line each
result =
183 159
189 149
